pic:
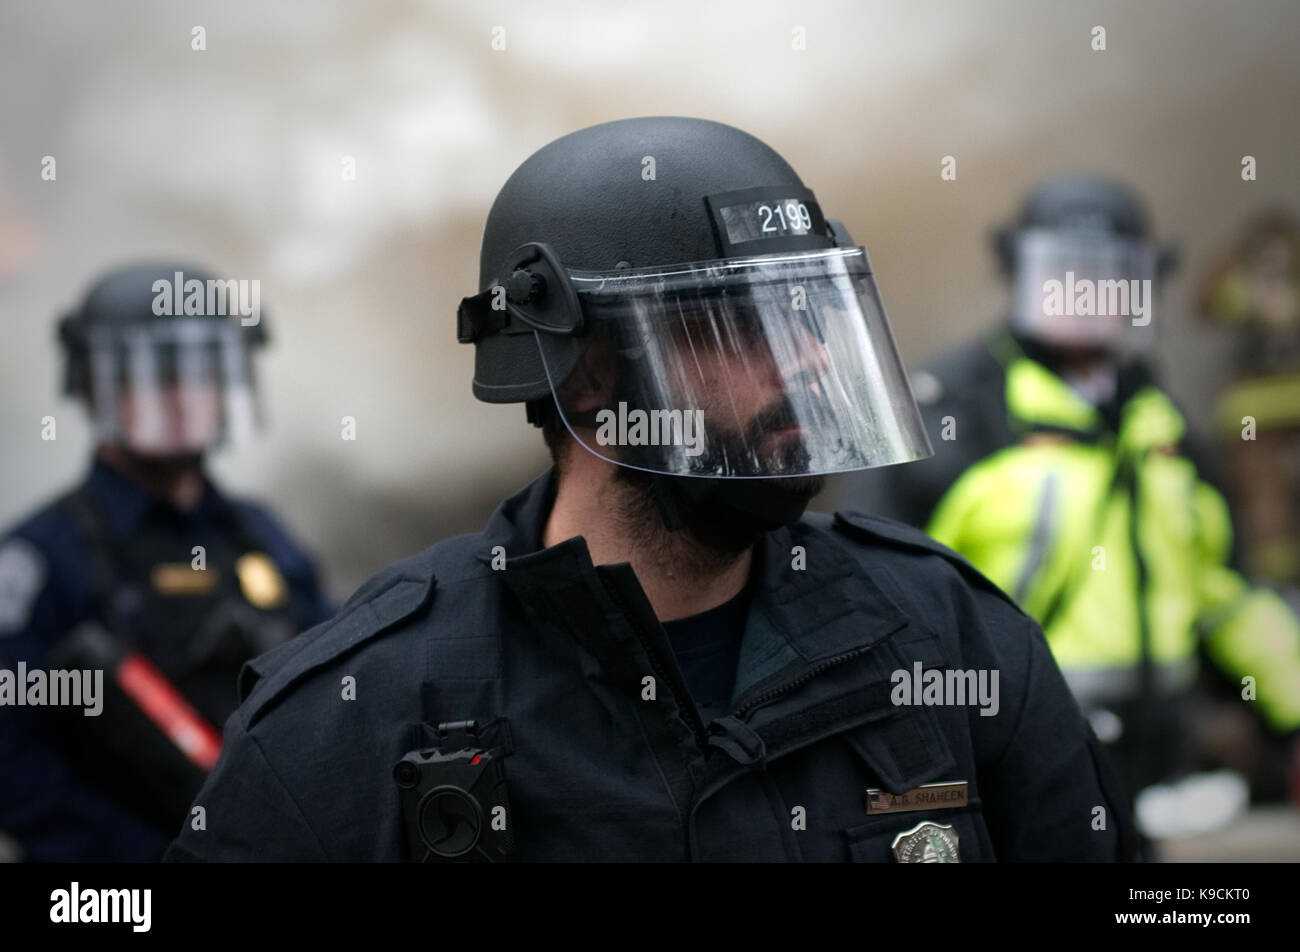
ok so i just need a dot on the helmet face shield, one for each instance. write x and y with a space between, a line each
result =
1083 288
174 387
767 366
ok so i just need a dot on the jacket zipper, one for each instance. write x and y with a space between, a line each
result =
680 691
771 695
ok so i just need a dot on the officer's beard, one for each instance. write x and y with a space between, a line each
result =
703 525
695 548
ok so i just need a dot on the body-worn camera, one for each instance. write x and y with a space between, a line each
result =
453 795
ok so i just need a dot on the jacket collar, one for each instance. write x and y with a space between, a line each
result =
517 523
1038 398
802 621
126 506
798 603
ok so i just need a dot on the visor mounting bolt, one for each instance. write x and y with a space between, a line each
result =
525 286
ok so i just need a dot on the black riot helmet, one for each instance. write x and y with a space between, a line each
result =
673 286
1075 231
161 353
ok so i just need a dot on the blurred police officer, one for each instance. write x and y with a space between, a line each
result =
146 572
648 654
1062 471
1253 292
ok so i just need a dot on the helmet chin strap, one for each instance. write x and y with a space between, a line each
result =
726 514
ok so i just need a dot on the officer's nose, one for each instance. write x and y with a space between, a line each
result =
803 358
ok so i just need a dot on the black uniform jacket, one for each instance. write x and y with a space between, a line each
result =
554 654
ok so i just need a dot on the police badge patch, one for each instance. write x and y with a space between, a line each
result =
927 843
260 581
22 576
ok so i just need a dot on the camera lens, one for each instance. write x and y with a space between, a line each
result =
450 821
405 774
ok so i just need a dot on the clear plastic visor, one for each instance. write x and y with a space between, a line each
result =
769 366
1083 288
172 387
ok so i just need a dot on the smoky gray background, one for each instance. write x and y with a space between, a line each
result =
231 157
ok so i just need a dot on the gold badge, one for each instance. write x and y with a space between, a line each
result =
260 581
927 843
929 796
178 579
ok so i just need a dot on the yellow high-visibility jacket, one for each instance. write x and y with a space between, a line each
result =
1099 528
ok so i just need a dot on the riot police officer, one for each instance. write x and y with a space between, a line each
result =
1253 292
1065 473
649 654
145 573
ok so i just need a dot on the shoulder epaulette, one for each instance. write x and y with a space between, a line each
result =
373 610
892 532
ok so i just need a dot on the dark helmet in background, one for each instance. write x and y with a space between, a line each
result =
1077 231
162 355
673 286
